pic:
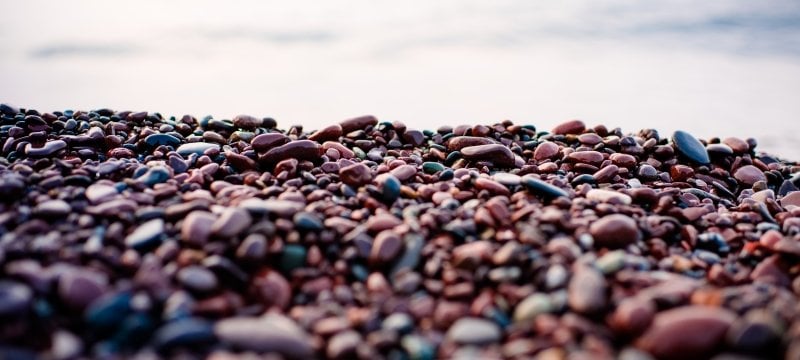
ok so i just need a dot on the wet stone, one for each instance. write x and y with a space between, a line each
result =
690 147
570 127
232 222
53 208
186 332
195 148
262 143
355 175
474 331
197 279
686 332
542 188
332 132
15 298
146 235
431 167
749 175
498 154
162 139
269 333
49 148
614 231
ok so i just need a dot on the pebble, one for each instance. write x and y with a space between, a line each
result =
264 142
404 172
355 175
570 127
587 291
542 188
307 222
686 332
791 199
247 122
532 306
15 298
232 222
545 151
197 279
162 139
99 193
387 246
53 208
474 331
79 288
196 227
270 333
608 196
198 148
358 123
186 332
749 175
690 147
49 148
298 149
332 132
498 154
459 142
614 231
146 235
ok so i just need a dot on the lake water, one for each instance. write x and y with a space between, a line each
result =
713 68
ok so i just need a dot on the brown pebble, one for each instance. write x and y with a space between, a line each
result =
196 227
331 132
586 293
386 247
264 142
459 142
357 123
545 151
570 127
749 175
498 154
614 231
355 175
690 332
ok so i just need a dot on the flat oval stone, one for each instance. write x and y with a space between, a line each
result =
232 222
99 193
498 154
686 332
586 292
542 188
387 246
162 139
690 147
459 142
78 288
282 208
507 179
195 148
49 148
569 127
264 142
622 160
332 132
749 175
53 208
196 227
738 146
269 333
614 231
414 137
197 278
308 221
381 222
154 175
719 150
404 172
357 123
491 186
299 149
545 151
791 199
532 306
146 235
609 196
247 122
15 298
432 167
343 345
474 331
588 157
185 332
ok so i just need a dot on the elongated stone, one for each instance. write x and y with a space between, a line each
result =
262 143
498 154
195 148
49 148
690 147
358 123
300 150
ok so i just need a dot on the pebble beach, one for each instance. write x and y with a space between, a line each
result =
138 235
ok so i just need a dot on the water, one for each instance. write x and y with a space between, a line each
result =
712 68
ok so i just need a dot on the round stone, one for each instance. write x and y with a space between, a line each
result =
474 331
686 332
497 154
614 231
586 293
197 278
196 227
749 175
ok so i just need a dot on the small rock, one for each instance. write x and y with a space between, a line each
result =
686 332
614 231
570 127
474 331
749 175
690 147
499 155
271 333
196 227
231 223
355 175
587 291
146 235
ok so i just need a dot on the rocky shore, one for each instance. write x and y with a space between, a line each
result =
134 235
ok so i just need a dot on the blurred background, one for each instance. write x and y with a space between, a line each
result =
713 68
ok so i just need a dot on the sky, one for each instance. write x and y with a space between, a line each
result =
714 68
